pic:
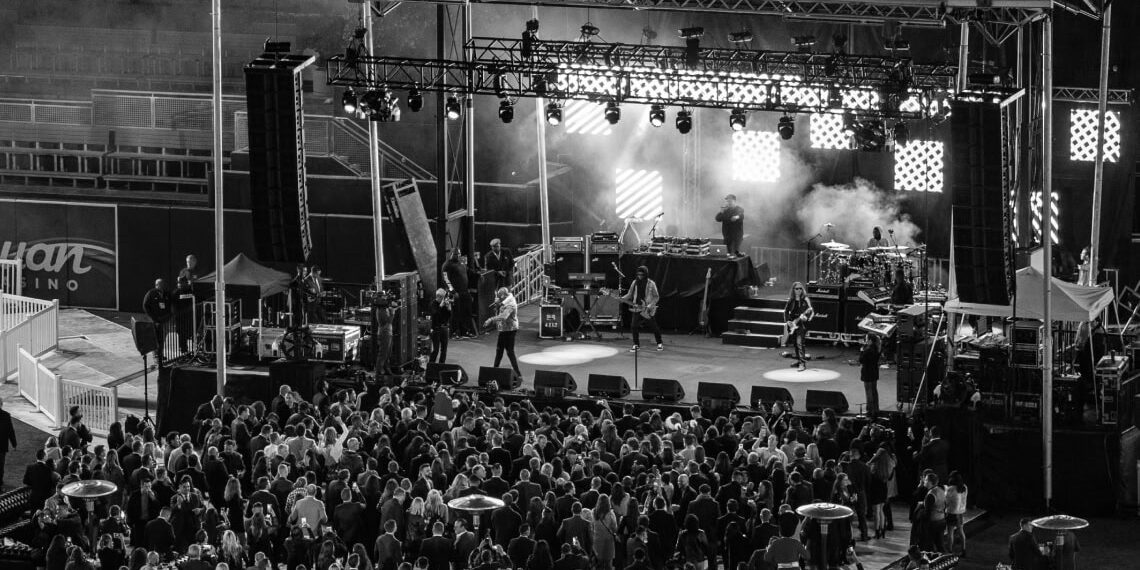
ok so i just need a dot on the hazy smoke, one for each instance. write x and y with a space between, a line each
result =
854 209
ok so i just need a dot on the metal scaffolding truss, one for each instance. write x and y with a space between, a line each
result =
913 12
751 80
1090 95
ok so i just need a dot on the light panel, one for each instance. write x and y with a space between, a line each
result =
638 193
756 156
826 131
1054 216
585 118
919 166
1083 138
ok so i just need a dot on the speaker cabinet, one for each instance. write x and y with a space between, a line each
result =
405 326
828 314
979 187
607 386
662 390
503 378
553 384
717 395
818 400
449 374
606 263
143 332
277 182
768 395
566 263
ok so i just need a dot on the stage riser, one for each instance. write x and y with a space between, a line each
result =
747 339
759 327
758 314
764 303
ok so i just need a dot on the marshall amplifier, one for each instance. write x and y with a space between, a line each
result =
828 305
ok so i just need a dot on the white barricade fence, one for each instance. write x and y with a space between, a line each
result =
39 386
99 405
11 276
32 323
527 286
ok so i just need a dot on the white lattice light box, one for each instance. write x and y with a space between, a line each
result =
919 166
826 131
755 156
1083 139
638 193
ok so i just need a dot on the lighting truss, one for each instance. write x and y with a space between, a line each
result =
638 193
826 131
919 166
912 12
1083 135
585 118
756 156
752 80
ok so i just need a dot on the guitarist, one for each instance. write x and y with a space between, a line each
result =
797 312
643 293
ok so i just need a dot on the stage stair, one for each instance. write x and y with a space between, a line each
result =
758 323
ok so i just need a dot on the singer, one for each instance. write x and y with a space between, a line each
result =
506 320
731 218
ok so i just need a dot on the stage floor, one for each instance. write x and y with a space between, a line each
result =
687 358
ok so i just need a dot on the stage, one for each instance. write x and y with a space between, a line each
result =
687 358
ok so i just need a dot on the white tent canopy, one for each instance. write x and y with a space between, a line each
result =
1071 302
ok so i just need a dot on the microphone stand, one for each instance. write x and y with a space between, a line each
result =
653 230
807 273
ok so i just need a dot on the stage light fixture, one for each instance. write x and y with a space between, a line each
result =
897 44
588 30
738 119
506 111
452 108
900 133
694 33
804 43
870 135
657 114
379 105
741 37
349 101
684 121
415 100
554 113
613 113
787 127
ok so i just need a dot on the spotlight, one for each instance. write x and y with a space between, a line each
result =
589 30
870 135
349 101
613 112
900 133
741 37
554 113
695 33
684 121
506 111
738 119
804 43
452 108
415 100
657 114
379 105
787 127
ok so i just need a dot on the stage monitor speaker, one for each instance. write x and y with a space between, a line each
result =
818 400
767 395
566 263
717 391
145 335
662 390
504 378
448 374
607 386
553 384
278 193
980 215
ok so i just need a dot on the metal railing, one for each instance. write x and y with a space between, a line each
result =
99 405
28 322
40 386
784 265
11 276
527 285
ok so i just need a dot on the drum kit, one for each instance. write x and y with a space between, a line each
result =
838 263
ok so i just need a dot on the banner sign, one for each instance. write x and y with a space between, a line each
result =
70 250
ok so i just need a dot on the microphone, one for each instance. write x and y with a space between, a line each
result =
661 214
829 225
559 259
892 232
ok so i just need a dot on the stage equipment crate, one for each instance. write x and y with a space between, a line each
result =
551 321
335 343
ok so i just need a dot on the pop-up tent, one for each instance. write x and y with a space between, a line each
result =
1071 302
242 271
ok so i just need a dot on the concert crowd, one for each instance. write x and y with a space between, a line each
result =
362 481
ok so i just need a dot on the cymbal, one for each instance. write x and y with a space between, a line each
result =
89 489
835 245
895 248
1059 523
475 503
824 511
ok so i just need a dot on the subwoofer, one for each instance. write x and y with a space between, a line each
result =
818 400
553 384
607 386
449 374
768 395
662 390
503 378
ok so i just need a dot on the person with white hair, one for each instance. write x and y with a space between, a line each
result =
506 320
500 261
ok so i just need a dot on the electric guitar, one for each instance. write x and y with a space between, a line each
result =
703 321
646 311
793 326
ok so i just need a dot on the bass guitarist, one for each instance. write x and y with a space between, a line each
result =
642 298
797 312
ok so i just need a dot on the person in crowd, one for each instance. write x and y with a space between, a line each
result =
383 316
7 441
440 325
869 371
935 453
882 467
1024 552
956 495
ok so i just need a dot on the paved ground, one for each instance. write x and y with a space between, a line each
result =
1108 543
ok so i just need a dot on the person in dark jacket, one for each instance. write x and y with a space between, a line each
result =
1024 552
159 533
731 218
869 371
438 549
159 307
7 436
